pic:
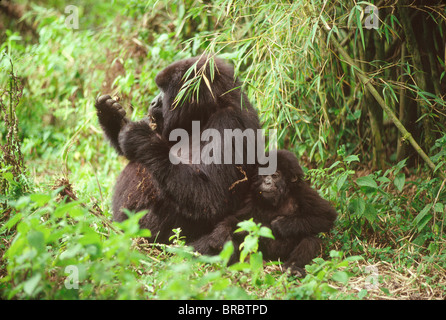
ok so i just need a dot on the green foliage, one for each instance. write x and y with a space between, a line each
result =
52 237
315 285
255 231
54 248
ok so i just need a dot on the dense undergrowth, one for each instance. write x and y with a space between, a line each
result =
57 171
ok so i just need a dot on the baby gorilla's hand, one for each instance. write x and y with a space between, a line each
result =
277 225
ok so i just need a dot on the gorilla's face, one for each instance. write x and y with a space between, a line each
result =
156 113
272 188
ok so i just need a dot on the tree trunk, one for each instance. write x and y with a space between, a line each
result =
407 115
419 74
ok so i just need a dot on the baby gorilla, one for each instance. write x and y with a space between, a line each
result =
289 207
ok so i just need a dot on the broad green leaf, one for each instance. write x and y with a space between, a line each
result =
357 205
423 221
341 180
370 213
251 243
341 276
37 240
351 158
266 232
354 258
247 225
439 207
8 176
227 251
31 284
13 221
362 294
422 213
40 199
367 181
399 181
335 254
62 209
256 261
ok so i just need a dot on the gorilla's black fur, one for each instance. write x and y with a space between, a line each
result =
289 206
194 197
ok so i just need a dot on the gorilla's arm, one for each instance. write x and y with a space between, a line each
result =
200 191
112 119
213 242
313 215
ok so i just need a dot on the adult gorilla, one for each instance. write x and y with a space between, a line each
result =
192 195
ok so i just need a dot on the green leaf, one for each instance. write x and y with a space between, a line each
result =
266 232
37 240
362 294
357 206
325 287
341 180
335 254
422 223
247 225
321 274
334 165
40 199
8 176
71 252
226 252
370 213
22 202
13 221
423 217
31 284
385 290
341 276
439 207
354 258
367 181
239 266
77 213
64 208
256 261
399 181
351 158
359 24
144 233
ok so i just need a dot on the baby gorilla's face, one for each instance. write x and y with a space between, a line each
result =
272 188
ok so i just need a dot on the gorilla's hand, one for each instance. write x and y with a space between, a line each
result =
109 111
294 270
277 224
136 138
112 118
